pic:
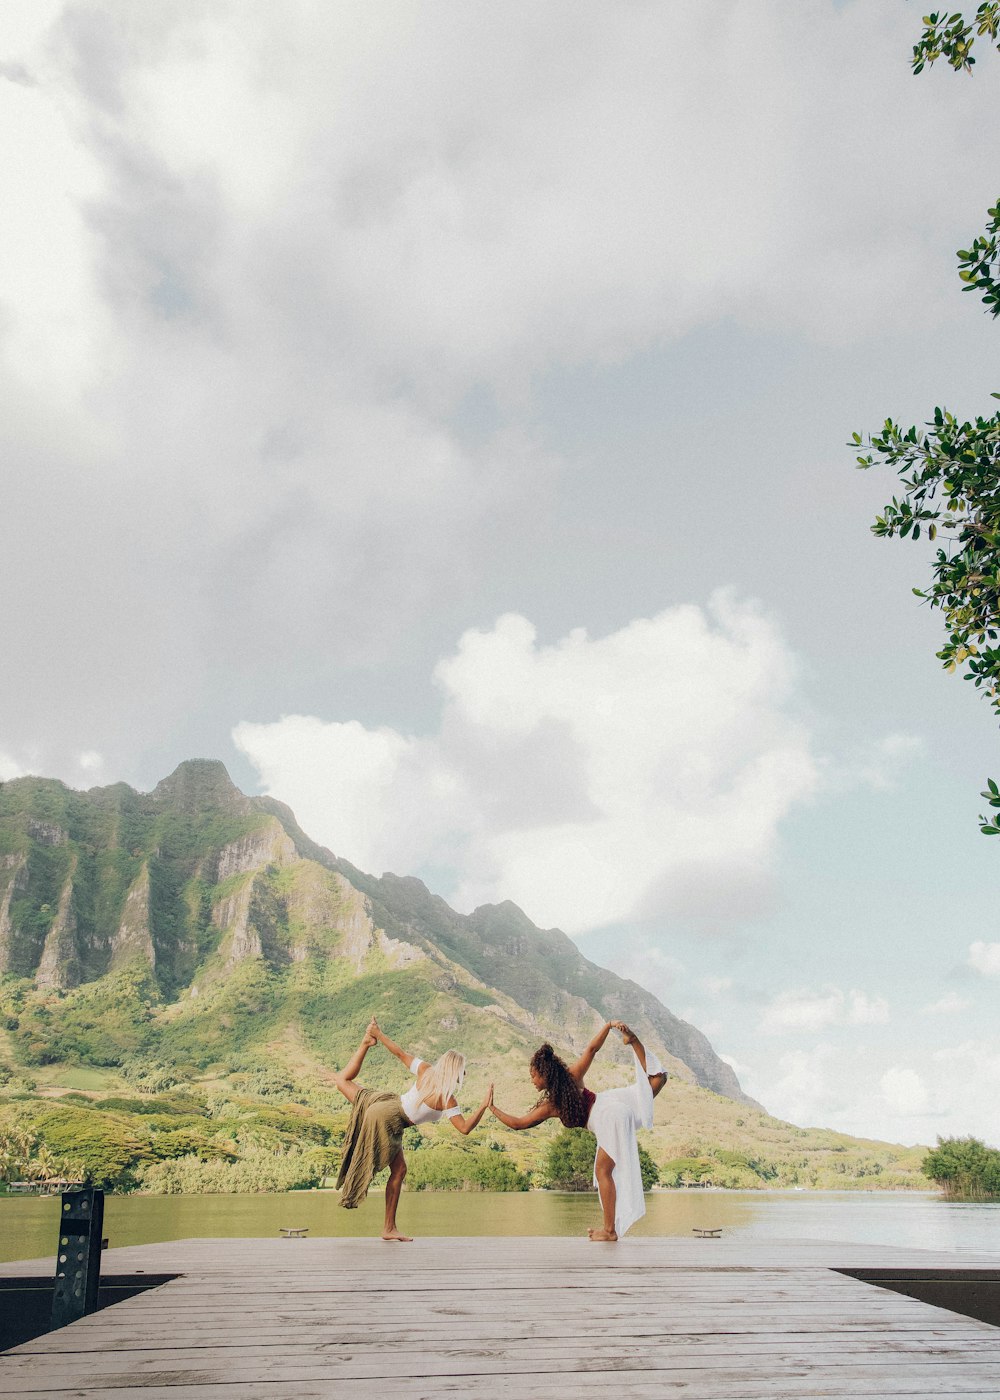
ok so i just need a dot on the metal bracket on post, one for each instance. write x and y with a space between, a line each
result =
78 1267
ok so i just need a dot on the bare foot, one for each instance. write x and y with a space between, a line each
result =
602 1236
395 1235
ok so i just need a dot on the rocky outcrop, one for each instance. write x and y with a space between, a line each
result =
254 922
232 915
47 833
360 938
133 939
255 851
59 965
199 785
17 883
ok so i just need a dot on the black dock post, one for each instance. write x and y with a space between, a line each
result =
78 1267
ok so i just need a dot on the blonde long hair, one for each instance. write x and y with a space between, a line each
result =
442 1078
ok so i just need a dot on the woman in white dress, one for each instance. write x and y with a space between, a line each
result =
613 1116
374 1136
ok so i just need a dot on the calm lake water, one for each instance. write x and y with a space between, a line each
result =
28 1226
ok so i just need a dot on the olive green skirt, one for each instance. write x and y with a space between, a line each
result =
374 1136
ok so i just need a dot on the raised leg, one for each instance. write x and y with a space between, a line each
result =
603 1170
344 1078
630 1038
656 1081
397 1175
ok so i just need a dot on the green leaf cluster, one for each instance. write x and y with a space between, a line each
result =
100 1148
569 1163
951 478
949 471
257 1169
950 36
459 1168
964 1167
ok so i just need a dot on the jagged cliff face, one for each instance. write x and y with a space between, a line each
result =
224 923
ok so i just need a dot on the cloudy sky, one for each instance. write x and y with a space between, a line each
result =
438 412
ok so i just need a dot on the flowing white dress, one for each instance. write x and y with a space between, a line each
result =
615 1117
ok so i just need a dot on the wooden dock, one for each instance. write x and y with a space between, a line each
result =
509 1317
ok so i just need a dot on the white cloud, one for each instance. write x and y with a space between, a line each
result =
810 1011
801 1086
717 986
647 964
9 768
255 256
586 779
743 1072
799 1011
904 1092
863 1010
877 765
90 761
948 1005
985 958
502 194
865 1090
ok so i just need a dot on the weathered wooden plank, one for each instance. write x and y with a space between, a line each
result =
81 1338
626 1352
722 1385
525 1318
499 1252
481 1359
332 1331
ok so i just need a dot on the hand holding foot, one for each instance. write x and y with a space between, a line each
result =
372 1032
627 1035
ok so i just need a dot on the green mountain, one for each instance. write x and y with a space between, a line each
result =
179 969
193 926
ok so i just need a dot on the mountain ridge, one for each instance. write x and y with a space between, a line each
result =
206 897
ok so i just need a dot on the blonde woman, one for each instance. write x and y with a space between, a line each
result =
374 1137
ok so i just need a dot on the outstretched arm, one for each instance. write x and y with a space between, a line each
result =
402 1055
536 1115
587 1058
466 1125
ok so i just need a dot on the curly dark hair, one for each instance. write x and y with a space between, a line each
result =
561 1089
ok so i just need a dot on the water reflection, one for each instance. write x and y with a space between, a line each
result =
27 1226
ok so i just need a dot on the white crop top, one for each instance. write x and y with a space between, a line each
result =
415 1108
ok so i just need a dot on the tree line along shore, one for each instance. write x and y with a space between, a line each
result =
255 1131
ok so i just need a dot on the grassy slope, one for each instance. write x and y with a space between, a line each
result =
265 1029
697 1134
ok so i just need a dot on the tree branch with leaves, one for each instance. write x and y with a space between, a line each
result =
950 36
950 469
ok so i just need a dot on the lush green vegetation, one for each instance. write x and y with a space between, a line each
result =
238 1131
964 1168
948 34
569 1163
194 1053
458 1166
950 468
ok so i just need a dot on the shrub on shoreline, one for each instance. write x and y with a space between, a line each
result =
964 1168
